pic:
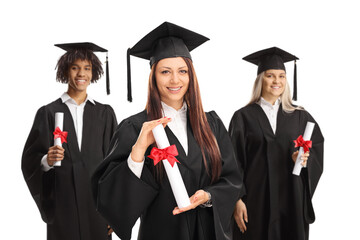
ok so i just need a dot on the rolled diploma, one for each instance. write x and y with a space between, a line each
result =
59 122
307 136
173 173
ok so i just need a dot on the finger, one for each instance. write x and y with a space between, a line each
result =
237 220
178 210
58 148
110 231
56 158
246 216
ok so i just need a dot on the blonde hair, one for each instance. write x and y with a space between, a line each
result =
285 97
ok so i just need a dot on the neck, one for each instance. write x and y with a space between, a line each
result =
175 105
270 99
79 97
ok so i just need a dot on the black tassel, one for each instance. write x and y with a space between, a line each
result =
129 97
295 83
107 76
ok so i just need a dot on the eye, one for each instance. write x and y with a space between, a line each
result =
282 76
165 72
183 71
88 68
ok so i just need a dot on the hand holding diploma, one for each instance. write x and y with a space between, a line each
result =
146 138
304 143
56 153
197 199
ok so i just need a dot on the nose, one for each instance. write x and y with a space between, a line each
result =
175 78
81 72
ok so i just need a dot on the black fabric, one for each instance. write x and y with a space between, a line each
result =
63 194
270 58
278 202
122 197
73 46
166 41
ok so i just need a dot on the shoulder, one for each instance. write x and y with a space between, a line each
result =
304 115
49 108
214 121
135 120
246 110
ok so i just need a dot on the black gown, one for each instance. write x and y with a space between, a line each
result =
63 194
278 202
122 197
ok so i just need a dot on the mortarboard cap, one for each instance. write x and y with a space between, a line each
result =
166 41
92 47
273 58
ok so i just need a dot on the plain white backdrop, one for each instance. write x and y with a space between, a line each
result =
323 34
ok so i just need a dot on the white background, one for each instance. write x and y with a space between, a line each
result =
323 34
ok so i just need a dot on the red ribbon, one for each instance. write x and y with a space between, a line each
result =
168 153
300 142
60 134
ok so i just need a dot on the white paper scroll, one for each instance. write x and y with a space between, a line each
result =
59 122
307 136
173 173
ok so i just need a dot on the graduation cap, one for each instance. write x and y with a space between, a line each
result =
166 41
92 47
273 58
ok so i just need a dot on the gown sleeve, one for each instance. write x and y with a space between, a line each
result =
238 139
110 127
41 184
224 192
120 196
311 174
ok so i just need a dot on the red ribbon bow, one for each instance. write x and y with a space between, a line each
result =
60 134
168 153
300 142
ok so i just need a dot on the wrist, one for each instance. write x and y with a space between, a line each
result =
137 153
208 203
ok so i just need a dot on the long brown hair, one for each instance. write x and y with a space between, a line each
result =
197 117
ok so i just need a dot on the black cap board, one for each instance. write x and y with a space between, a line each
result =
273 58
90 46
166 41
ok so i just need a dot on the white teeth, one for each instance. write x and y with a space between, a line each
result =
275 87
81 80
174 89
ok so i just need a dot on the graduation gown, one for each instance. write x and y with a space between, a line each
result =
278 202
122 197
63 194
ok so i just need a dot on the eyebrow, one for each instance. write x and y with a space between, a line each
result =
74 64
170 67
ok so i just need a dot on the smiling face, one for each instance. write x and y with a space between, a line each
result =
273 85
80 75
172 80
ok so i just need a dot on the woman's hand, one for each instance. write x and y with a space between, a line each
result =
304 157
198 198
240 214
55 153
146 138
110 230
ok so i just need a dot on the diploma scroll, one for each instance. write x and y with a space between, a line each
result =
59 122
173 173
307 136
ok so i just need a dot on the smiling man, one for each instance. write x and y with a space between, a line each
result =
62 193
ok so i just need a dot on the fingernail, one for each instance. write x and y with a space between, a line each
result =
158 120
